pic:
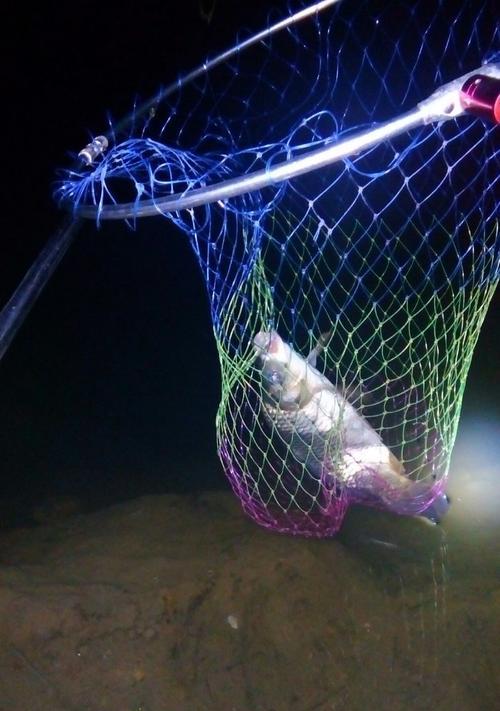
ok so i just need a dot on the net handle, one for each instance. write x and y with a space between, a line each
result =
446 102
17 308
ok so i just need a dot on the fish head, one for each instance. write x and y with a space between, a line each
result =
281 383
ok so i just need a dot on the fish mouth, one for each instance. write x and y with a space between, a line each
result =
266 343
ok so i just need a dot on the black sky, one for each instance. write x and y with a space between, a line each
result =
111 386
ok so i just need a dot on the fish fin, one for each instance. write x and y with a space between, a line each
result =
321 344
396 465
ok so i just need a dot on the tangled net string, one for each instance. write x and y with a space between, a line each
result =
346 302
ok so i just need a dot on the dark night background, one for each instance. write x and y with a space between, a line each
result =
111 386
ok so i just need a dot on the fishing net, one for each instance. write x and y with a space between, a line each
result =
346 302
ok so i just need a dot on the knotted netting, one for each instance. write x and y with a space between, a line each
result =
346 301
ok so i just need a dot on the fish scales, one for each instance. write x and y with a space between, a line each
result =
328 436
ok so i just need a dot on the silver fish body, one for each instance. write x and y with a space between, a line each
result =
325 433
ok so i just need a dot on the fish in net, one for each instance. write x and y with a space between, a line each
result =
342 207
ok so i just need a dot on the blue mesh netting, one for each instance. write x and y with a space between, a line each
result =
386 259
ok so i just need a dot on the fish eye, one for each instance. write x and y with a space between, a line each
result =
274 377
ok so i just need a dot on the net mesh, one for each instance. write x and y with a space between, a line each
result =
346 303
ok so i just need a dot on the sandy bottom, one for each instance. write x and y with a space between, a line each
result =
170 602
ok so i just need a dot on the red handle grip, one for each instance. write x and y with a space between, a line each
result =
480 95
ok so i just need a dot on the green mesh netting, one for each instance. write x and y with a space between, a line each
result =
398 337
346 302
